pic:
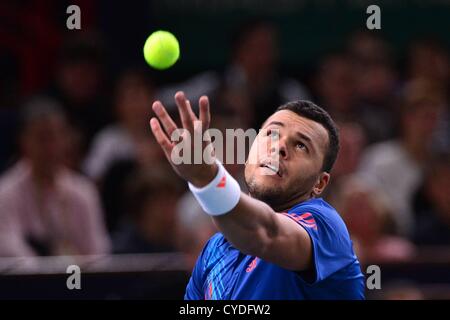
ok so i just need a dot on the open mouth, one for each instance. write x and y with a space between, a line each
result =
272 168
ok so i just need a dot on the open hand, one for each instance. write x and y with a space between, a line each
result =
197 174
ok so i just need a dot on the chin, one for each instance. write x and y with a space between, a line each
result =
262 189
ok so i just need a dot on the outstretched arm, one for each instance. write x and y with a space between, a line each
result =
251 225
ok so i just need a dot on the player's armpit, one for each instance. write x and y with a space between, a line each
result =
289 246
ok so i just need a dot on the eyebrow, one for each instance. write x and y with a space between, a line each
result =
301 135
305 137
277 123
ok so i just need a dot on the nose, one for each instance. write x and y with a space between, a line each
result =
283 150
280 146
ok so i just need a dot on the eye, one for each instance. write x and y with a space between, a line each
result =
269 132
301 145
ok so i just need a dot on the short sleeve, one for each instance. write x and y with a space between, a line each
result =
332 248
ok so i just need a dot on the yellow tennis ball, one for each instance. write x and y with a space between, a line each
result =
161 50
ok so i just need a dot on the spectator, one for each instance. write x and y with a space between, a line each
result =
432 205
429 60
79 86
336 87
368 47
352 142
369 220
149 225
124 146
129 138
45 208
376 85
395 167
253 72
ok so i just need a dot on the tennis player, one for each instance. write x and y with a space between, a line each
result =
282 240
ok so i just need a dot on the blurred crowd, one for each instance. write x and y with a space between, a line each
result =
82 174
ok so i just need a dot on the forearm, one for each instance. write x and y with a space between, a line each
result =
249 226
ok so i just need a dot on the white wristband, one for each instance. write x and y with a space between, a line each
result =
219 196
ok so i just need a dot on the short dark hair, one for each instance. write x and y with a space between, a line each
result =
311 111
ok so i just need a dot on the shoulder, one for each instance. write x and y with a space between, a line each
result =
318 207
110 135
319 215
332 246
11 182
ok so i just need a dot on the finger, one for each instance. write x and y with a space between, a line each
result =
167 122
192 115
161 137
180 100
204 113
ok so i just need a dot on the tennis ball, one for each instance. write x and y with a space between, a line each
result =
161 50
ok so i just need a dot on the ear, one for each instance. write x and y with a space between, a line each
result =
322 182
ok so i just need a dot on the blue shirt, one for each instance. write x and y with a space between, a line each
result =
223 272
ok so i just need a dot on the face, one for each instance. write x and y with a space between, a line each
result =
363 218
429 62
132 103
258 50
301 147
420 123
376 81
81 80
352 142
336 83
45 143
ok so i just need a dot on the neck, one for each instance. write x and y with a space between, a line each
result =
292 202
43 178
416 148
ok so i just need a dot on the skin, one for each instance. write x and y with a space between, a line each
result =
255 226
44 143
